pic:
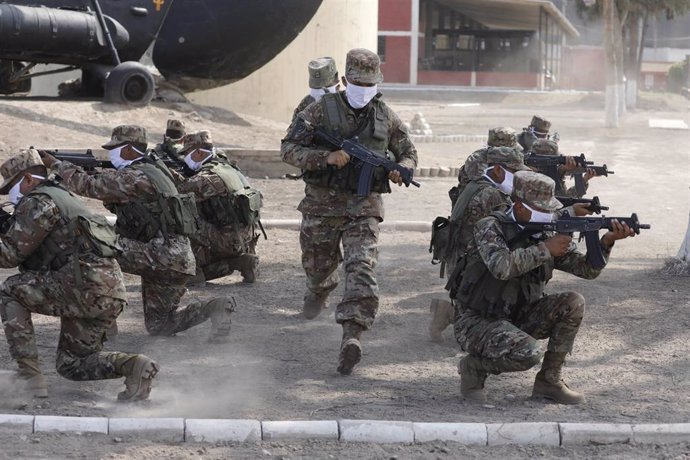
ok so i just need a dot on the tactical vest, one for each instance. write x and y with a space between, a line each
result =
372 133
169 212
92 233
241 206
475 288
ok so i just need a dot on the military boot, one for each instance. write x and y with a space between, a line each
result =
29 373
139 371
472 378
219 311
248 265
549 384
350 348
442 316
313 304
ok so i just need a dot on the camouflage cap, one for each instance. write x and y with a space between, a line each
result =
16 165
126 134
502 137
544 147
197 140
363 66
322 73
506 156
536 190
541 125
175 129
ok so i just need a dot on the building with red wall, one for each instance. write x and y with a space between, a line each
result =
504 43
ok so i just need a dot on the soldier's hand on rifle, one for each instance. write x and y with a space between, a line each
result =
394 176
48 159
569 166
589 174
619 232
338 158
558 244
582 209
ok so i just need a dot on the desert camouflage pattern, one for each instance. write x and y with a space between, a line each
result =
502 136
513 345
126 134
216 249
16 165
164 264
322 73
363 66
87 307
303 104
541 125
298 148
535 189
175 129
320 239
506 156
197 140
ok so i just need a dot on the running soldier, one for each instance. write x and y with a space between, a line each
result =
65 254
153 224
332 212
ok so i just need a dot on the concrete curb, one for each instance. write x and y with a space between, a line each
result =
376 431
425 138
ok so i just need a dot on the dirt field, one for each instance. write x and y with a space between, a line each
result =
630 357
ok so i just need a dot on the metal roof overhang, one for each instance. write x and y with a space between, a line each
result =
511 14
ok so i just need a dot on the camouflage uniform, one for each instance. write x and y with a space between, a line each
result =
165 262
85 290
219 248
172 141
537 129
504 311
548 147
334 215
322 74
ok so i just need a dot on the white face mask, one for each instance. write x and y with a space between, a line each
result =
14 193
316 93
359 96
507 185
538 216
117 160
196 165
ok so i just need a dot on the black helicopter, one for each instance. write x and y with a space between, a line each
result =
196 44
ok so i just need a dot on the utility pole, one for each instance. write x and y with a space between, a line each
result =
612 65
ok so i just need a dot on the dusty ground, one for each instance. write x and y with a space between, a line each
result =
630 357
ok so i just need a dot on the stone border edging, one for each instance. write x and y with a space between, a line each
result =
376 431
425 138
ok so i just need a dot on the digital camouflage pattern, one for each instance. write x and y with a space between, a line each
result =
535 189
509 157
87 307
322 73
320 238
363 66
197 140
126 134
299 149
175 129
169 148
164 264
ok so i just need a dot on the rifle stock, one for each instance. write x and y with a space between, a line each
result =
86 159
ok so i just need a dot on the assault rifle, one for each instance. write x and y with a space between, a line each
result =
86 159
594 203
589 229
368 160
548 164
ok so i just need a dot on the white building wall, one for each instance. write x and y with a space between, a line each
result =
275 90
